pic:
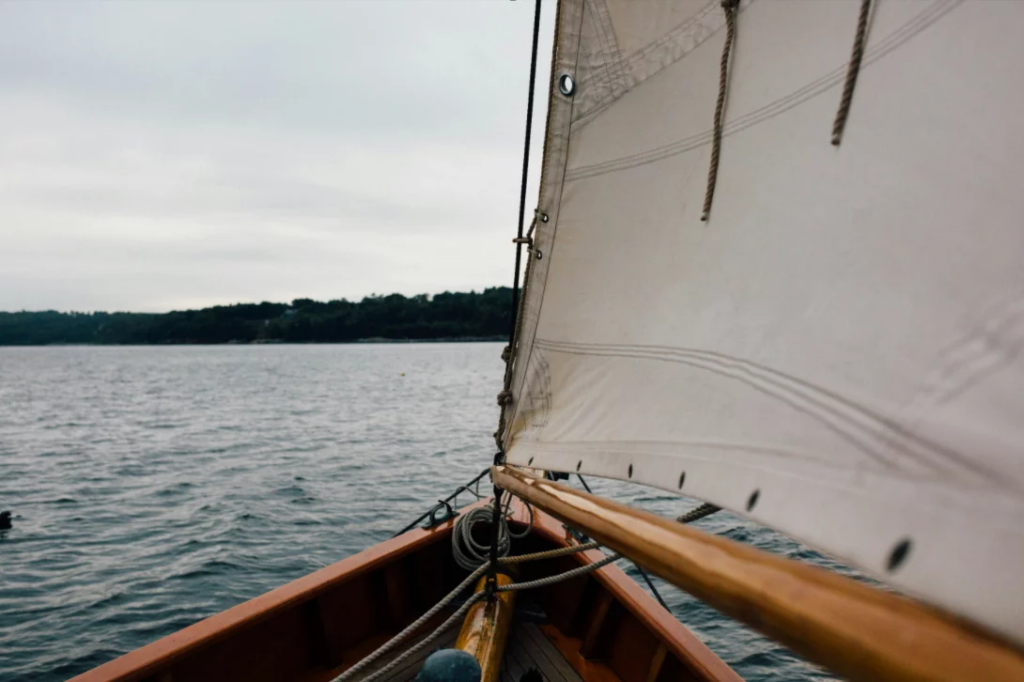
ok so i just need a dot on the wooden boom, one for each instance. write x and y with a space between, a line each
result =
854 630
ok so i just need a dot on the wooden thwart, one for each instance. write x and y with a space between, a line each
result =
857 631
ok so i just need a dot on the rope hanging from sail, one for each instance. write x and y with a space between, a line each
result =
730 7
852 71
706 509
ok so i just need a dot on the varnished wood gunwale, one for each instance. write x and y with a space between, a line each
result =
857 631
152 658
318 626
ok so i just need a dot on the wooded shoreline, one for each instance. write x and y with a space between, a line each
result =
445 317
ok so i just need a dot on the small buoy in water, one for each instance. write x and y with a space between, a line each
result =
5 520
449 665
402 374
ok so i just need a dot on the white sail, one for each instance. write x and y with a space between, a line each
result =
836 352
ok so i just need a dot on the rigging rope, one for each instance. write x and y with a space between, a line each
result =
451 498
852 71
730 7
550 554
505 397
700 512
568 575
471 555
404 634
462 610
422 644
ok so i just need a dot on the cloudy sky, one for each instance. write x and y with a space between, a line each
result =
158 155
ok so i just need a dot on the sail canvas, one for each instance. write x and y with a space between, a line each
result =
836 351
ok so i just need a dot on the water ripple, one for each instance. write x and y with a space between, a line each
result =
153 487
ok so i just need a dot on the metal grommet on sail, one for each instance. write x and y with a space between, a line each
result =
544 217
539 254
566 84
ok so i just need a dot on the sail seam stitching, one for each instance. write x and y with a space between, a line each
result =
800 395
609 27
645 447
635 60
607 56
810 91
790 399
969 361
616 83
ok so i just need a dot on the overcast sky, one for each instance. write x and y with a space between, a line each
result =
159 155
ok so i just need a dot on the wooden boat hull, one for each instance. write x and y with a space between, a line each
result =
603 624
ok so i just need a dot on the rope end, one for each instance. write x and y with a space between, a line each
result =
836 139
705 215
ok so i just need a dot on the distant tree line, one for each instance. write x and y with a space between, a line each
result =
482 315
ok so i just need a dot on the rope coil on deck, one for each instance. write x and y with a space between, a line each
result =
470 554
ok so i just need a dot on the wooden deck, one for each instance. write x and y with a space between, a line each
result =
527 648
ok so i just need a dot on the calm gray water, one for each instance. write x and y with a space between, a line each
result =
155 486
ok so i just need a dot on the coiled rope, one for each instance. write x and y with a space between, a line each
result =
470 554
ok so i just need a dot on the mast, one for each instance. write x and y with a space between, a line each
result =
504 398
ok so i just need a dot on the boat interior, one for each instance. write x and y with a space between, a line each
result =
597 627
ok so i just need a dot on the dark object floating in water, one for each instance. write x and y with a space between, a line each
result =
5 520
449 665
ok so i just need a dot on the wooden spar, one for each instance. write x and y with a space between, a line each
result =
854 630
485 629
